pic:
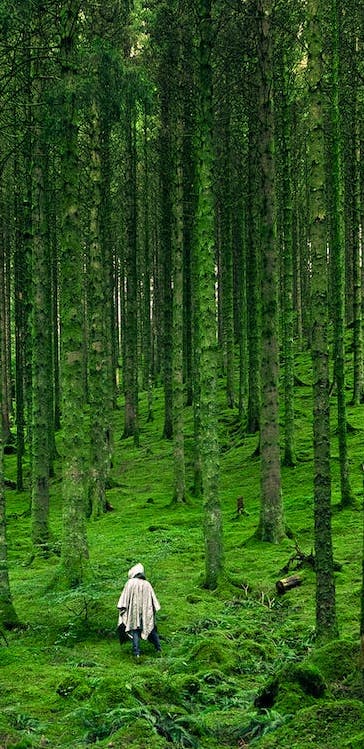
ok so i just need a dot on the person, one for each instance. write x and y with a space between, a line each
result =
137 606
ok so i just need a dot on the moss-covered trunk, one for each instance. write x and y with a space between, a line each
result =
271 523
99 360
41 319
205 242
8 615
74 553
337 258
326 625
285 211
130 360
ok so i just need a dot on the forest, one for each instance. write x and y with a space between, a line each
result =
181 371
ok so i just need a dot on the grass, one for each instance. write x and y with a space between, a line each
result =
66 682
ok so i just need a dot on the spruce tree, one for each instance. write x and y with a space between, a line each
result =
271 523
74 552
207 328
326 625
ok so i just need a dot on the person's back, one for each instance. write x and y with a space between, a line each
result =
137 607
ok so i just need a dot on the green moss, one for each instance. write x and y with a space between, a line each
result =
291 698
211 676
151 687
225 726
296 685
139 734
252 653
355 742
187 686
216 652
308 677
68 686
322 725
337 659
218 649
112 692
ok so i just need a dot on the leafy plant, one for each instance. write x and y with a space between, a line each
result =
262 723
177 729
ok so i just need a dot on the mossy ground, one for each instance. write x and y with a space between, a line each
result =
66 682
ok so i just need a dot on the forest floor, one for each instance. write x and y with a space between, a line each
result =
239 666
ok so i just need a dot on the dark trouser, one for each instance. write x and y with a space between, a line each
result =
153 638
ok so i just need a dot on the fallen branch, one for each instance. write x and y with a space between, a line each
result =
287 583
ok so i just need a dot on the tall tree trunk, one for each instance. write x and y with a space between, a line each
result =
253 288
8 615
177 379
147 272
74 553
224 235
166 251
326 625
99 376
337 262
283 117
207 334
271 523
41 360
4 384
131 420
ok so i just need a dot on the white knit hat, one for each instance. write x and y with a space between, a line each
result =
138 569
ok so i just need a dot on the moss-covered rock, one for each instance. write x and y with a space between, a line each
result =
225 725
253 654
151 686
110 693
139 734
296 686
308 677
337 659
325 725
216 652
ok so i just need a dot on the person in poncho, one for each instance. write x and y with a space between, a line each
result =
137 606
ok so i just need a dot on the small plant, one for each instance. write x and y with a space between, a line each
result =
26 723
262 723
176 728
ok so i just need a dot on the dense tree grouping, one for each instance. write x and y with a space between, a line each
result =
181 198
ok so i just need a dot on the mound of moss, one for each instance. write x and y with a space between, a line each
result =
337 659
225 726
252 653
215 652
327 725
139 734
295 686
151 686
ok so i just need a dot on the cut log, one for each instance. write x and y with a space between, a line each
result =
286 583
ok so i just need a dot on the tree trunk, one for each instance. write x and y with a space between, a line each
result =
131 418
178 386
337 263
8 616
326 625
41 359
74 553
207 334
271 523
284 123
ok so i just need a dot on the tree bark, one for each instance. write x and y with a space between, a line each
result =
326 624
271 522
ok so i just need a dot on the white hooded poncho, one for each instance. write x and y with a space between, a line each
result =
140 604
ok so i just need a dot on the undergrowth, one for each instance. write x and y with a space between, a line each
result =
240 666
